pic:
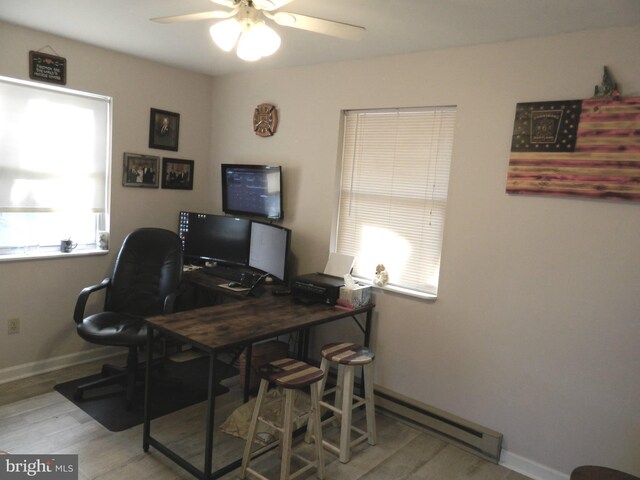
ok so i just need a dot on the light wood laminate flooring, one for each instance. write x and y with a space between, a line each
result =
36 419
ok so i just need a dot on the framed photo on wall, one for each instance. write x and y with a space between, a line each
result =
177 174
140 170
164 130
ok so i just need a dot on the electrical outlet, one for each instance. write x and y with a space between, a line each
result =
14 326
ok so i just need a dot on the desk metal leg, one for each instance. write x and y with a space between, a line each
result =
248 354
367 340
300 341
367 328
147 390
148 441
307 338
211 404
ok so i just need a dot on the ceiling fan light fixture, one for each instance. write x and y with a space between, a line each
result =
246 51
257 41
225 34
268 39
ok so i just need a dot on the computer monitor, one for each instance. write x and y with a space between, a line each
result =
269 250
215 238
254 190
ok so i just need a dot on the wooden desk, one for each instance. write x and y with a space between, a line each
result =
215 328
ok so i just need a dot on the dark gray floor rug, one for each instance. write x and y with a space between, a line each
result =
107 405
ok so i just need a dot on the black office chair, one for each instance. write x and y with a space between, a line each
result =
145 281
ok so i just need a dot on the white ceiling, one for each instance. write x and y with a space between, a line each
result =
393 27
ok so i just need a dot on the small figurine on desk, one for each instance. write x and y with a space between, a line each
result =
381 277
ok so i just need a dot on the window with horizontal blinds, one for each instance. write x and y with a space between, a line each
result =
393 194
55 148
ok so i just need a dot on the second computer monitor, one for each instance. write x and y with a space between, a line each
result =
215 238
269 249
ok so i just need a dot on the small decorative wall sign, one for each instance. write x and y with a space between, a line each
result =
164 130
47 68
265 120
577 148
177 174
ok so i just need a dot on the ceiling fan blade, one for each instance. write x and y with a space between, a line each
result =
318 25
195 16
269 5
226 3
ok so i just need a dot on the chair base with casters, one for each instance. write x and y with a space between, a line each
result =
592 472
291 375
347 356
128 376
99 328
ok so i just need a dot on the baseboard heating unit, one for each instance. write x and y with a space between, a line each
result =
475 438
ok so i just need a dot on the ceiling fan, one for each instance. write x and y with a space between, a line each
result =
245 26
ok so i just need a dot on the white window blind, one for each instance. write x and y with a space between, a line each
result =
393 195
54 164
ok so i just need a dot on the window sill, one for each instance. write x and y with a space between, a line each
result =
395 289
41 254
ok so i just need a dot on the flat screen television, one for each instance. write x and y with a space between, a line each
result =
216 238
269 250
253 190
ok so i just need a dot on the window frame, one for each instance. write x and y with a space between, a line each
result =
101 218
401 289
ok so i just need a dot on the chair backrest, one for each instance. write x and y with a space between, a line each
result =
147 269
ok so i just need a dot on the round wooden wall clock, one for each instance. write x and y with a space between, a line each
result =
265 120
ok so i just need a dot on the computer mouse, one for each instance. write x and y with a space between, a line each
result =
235 284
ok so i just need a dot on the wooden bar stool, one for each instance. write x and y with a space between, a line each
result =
291 375
347 356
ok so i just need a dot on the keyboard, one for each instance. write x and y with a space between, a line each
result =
232 274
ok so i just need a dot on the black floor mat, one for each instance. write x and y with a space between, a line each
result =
107 405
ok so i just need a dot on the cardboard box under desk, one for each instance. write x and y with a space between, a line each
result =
262 353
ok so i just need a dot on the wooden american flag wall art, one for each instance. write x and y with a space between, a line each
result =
577 148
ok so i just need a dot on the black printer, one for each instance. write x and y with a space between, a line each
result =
316 288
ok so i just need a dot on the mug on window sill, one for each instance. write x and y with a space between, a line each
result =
67 246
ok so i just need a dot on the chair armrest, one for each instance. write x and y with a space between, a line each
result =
81 303
169 302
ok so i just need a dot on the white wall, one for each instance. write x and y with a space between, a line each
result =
536 329
42 293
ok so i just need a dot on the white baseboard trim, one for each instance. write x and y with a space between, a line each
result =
529 468
42 366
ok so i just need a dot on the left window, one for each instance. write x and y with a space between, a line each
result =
55 150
